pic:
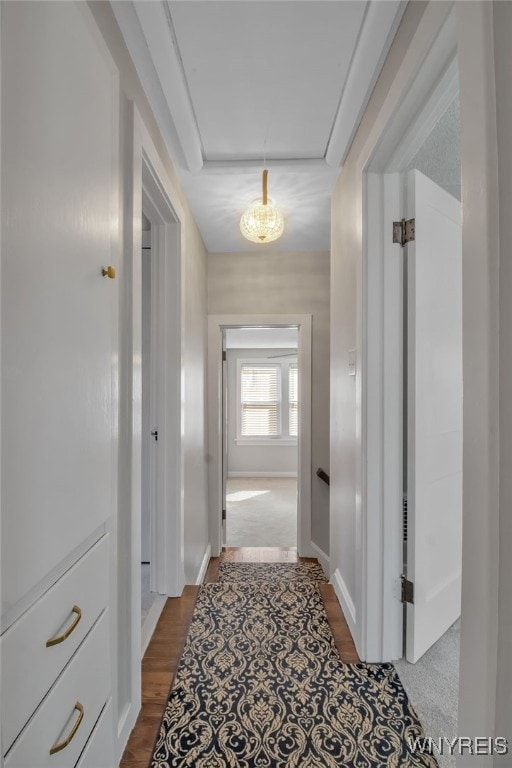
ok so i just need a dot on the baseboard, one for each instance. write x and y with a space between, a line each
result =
204 565
345 600
262 474
151 621
125 726
323 559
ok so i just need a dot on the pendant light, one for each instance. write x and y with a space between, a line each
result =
262 222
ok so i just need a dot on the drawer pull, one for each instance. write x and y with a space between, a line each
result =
60 638
63 744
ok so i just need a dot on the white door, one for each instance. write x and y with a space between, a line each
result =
59 314
224 438
434 413
147 438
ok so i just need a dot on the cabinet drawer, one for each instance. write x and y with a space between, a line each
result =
83 684
29 667
99 750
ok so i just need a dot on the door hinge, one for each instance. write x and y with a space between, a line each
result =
155 435
224 356
223 515
404 231
407 590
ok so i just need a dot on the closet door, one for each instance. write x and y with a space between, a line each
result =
60 216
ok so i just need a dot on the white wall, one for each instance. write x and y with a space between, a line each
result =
347 458
194 362
484 54
279 283
503 63
265 459
486 122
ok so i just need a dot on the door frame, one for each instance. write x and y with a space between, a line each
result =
426 83
216 324
146 176
482 32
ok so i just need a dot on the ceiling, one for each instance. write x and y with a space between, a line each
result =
238 85
439 155
262 338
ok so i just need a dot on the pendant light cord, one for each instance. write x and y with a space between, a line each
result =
264 197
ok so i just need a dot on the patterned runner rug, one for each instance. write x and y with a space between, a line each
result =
306 571
261 685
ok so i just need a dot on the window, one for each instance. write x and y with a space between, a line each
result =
267 400
293 400
260 388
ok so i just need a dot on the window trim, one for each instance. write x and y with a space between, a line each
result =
284 438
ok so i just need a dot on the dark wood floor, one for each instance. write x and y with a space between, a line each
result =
163 653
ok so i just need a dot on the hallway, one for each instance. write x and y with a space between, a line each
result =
164 651
261 679
180 114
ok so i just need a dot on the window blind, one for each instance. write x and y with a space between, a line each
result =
260 400
294 400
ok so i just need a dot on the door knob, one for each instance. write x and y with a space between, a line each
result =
109 272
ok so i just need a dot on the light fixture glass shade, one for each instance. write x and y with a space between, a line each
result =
262 223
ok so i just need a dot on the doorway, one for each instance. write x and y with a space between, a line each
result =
217 392
414 336
432 398
154 195
151 601
260 426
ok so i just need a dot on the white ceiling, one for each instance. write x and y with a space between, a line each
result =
232 82
262 338
439 155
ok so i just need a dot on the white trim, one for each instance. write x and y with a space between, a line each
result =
290 165
264 363
283 438
344 599
216 323
142 160
277 441
125 724
204 565
375 38
151 621
262 474
147 31
323 559
425 73
149 35
170 332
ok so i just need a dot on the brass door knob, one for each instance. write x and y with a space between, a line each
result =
109 272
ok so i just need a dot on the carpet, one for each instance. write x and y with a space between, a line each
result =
261 512
261 685
432 685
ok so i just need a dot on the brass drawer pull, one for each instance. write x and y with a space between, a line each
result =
63 744
69 630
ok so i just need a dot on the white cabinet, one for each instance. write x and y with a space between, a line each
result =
99 752
33 655
59 729
58 311
59 355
